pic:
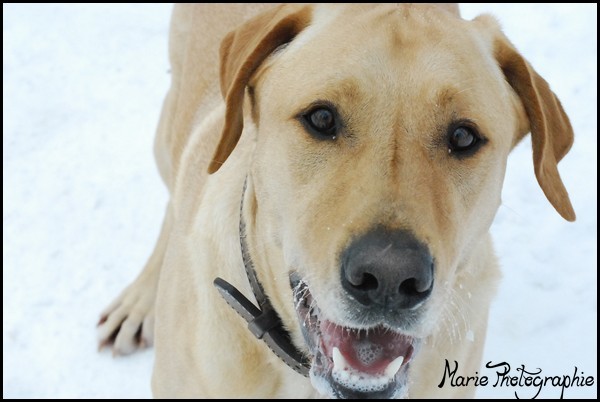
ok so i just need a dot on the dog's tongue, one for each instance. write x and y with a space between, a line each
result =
374 351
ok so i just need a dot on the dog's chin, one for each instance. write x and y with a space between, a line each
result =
352 362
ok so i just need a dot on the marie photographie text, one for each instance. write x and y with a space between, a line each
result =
527 382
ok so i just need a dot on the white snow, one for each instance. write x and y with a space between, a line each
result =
82 91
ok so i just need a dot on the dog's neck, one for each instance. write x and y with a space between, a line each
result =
263 321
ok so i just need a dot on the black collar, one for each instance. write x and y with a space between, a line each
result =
263 321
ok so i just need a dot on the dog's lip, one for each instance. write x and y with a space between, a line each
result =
351 362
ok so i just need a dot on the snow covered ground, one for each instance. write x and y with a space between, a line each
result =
82 200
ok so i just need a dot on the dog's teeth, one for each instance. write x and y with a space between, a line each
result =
394 366
339 362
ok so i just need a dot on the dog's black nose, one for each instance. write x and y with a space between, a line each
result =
388 269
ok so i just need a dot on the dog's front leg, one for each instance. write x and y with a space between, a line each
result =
128 322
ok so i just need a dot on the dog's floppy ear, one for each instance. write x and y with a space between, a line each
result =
242 52
551 131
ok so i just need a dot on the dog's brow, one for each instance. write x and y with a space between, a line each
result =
447 94
340 90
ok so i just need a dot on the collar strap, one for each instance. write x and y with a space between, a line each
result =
263 321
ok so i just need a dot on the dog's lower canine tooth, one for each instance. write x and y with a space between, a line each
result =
394 366
339 362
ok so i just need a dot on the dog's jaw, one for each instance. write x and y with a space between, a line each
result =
350 362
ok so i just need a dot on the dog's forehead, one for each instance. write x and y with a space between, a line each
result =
398 48
356 29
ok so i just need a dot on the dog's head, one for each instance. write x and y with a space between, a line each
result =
382 134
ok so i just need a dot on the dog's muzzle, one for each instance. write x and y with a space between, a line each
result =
387 276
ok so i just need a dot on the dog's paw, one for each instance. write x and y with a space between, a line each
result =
127 324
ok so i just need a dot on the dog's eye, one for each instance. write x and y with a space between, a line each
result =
463 140
321 121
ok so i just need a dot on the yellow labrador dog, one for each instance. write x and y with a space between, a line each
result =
334 171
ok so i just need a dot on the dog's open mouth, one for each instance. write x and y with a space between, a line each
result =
349 362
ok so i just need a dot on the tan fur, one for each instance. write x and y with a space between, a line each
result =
399 79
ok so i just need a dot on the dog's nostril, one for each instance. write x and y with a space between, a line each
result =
367 282
409 287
